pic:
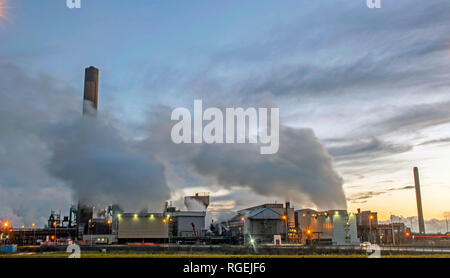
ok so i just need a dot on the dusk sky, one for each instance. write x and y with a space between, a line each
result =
364 94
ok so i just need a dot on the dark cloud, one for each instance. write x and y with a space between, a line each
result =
362 197
437 141
357 51
370 148
414 117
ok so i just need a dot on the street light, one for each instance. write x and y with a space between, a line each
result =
243 228
370 225
54 225
108 222
34 231
308 235
284 218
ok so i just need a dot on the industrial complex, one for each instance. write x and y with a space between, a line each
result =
273 223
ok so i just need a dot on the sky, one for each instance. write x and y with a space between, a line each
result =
363 97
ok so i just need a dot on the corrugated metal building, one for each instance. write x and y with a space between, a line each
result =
183 221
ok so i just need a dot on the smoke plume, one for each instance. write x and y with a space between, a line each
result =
104 168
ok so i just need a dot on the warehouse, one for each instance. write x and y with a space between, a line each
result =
262 223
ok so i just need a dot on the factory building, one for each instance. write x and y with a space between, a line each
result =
367 224
332 227
262 223
188 224
198 202
171 225
394 233
142 227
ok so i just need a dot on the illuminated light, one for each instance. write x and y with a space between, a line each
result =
54 223
168 216
6 224
170 219
407 234
252 241
135 215
371 217
303 215
152 217
284 217
308 232
242 219
108 222
90 220
164 220
33 224
23 226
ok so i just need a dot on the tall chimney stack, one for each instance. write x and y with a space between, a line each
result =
90 91
419 201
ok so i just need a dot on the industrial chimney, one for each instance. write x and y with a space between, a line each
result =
419 201
90 91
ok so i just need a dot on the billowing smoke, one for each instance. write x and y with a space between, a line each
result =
104 168
51 156
193 204
301 171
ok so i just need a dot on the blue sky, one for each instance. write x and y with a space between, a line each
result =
372 84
